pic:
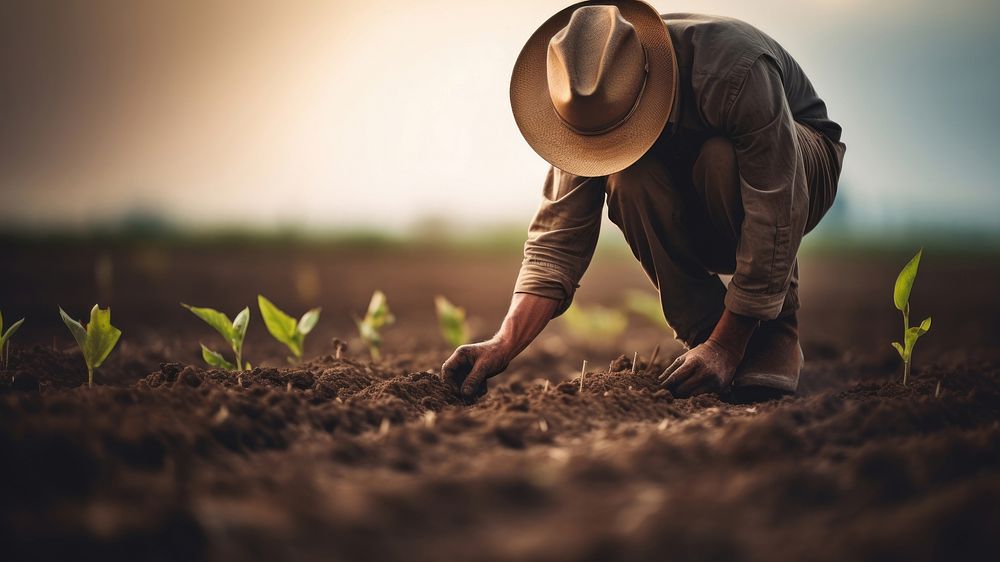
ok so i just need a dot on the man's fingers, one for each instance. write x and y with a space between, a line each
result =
457 366
670 369
474 380
696 384
680 375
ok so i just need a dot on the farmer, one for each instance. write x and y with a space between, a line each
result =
714 155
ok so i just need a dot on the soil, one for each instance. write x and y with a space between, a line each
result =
342 458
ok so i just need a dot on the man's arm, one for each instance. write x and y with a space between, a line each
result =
775 203
470 365
774 189
561 242
562 237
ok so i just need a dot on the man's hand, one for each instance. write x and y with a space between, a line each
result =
470 365
708 367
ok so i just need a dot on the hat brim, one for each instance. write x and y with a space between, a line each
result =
619 148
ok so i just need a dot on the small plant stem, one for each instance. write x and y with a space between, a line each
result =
239 360
583 373
906 326
652 358
90 377
635 357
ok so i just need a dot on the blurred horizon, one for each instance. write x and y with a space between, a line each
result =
387 116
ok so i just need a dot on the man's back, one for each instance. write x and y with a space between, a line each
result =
715 53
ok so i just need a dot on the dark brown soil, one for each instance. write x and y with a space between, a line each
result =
343 459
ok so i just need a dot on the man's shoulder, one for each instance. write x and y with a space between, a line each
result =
716 36
717 46
706 22
689 18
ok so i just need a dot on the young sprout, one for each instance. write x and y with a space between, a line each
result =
595 324
96 340
451 320
5 339
901 298
286 329
232 331
375 319
646 305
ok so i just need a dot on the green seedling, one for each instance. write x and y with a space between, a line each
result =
901 298
595 324
286 329
96 340
377 317
5 339
232 331
451 320
646 305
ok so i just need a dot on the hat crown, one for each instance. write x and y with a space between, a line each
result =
596 69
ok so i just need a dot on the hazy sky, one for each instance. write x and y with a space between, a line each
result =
378 113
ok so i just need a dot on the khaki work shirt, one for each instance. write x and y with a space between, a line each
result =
733 81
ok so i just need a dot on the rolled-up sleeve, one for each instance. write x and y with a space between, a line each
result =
562 237
774 189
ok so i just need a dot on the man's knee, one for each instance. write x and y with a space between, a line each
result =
715 172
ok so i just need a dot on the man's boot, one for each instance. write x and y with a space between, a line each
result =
773 358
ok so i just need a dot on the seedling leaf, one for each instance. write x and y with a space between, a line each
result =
75 328
215 319
284 328
899 348
904 282
377 316
451 320
101 337
378 311
5 339
646 305
216 359
233 331
96 341
240 324
279 324
10 331
308 321
595 324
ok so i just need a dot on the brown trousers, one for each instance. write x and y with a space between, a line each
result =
683 225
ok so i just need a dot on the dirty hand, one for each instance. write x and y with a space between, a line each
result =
708 367
470 365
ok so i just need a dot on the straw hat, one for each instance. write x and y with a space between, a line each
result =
594 85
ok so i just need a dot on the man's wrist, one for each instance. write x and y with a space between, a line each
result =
733 332
504 346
